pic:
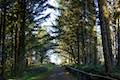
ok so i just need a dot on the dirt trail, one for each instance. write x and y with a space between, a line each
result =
60 74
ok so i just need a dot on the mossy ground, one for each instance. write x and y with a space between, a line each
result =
36 72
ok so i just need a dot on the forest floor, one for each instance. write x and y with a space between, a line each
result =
60 74
35 72
46 72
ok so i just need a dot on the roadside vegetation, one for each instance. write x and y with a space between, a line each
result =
36 72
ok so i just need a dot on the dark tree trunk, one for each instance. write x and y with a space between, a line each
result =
83 45
78 46
21 38
16 50
83 30
12 49
72 51
0 36
105 32
3 40
0 24
95 51
118 57
41 60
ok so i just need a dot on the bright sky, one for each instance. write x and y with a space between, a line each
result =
53 57
47 25
53 16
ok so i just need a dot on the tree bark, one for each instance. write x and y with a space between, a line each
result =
83 30
95 51
16 50
3 39
105 32
0 40
20 38
118 57
12 49
78 46
0 36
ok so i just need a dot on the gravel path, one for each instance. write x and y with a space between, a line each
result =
60 74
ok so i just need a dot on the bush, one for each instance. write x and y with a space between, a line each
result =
96 69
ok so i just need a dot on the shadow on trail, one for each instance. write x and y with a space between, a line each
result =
60 74
37 70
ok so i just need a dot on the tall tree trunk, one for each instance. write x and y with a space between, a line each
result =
12 49
16 50
72 51
41 60
118 57
118 35
95 50
83 30
0 35
105 32
78 46
83 45
21 27
0 40
3 40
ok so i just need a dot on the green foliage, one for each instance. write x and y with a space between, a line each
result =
41 43
95 69
78 35
20 41
39 71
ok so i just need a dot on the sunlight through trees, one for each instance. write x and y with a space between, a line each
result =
84 34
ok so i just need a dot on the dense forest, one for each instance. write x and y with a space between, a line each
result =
83 34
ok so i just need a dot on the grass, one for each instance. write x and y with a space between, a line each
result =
36 72
98 69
